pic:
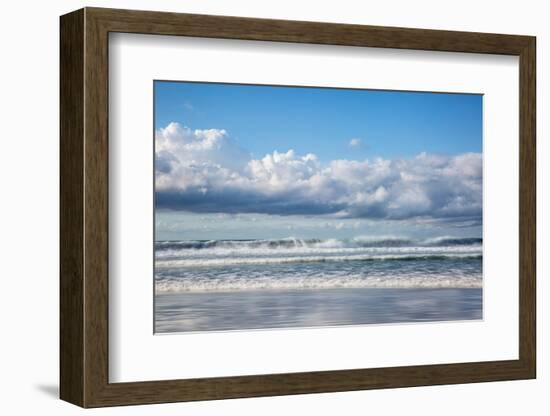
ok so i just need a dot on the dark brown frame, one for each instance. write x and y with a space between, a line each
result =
84 209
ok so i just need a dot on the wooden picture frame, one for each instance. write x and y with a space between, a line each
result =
84 207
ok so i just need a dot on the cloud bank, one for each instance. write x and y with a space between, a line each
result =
206 171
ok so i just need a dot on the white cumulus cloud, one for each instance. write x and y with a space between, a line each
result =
206 171
355 143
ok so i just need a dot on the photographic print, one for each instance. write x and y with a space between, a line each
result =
297 207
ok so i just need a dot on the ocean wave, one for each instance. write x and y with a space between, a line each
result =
174 247
347 282
315 251
451 241
233 261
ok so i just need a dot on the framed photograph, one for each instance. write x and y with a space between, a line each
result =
254 207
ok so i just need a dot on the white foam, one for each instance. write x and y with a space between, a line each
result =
296 283
230 261
315 250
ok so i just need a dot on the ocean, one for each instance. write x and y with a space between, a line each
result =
260 284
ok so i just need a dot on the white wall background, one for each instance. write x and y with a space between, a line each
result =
29 83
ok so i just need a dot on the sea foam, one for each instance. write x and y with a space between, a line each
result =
227 265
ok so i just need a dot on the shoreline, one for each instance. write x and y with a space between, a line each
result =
306 308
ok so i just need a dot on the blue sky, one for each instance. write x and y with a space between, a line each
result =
389 124
241 161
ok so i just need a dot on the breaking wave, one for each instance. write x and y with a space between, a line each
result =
358 242
293 264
